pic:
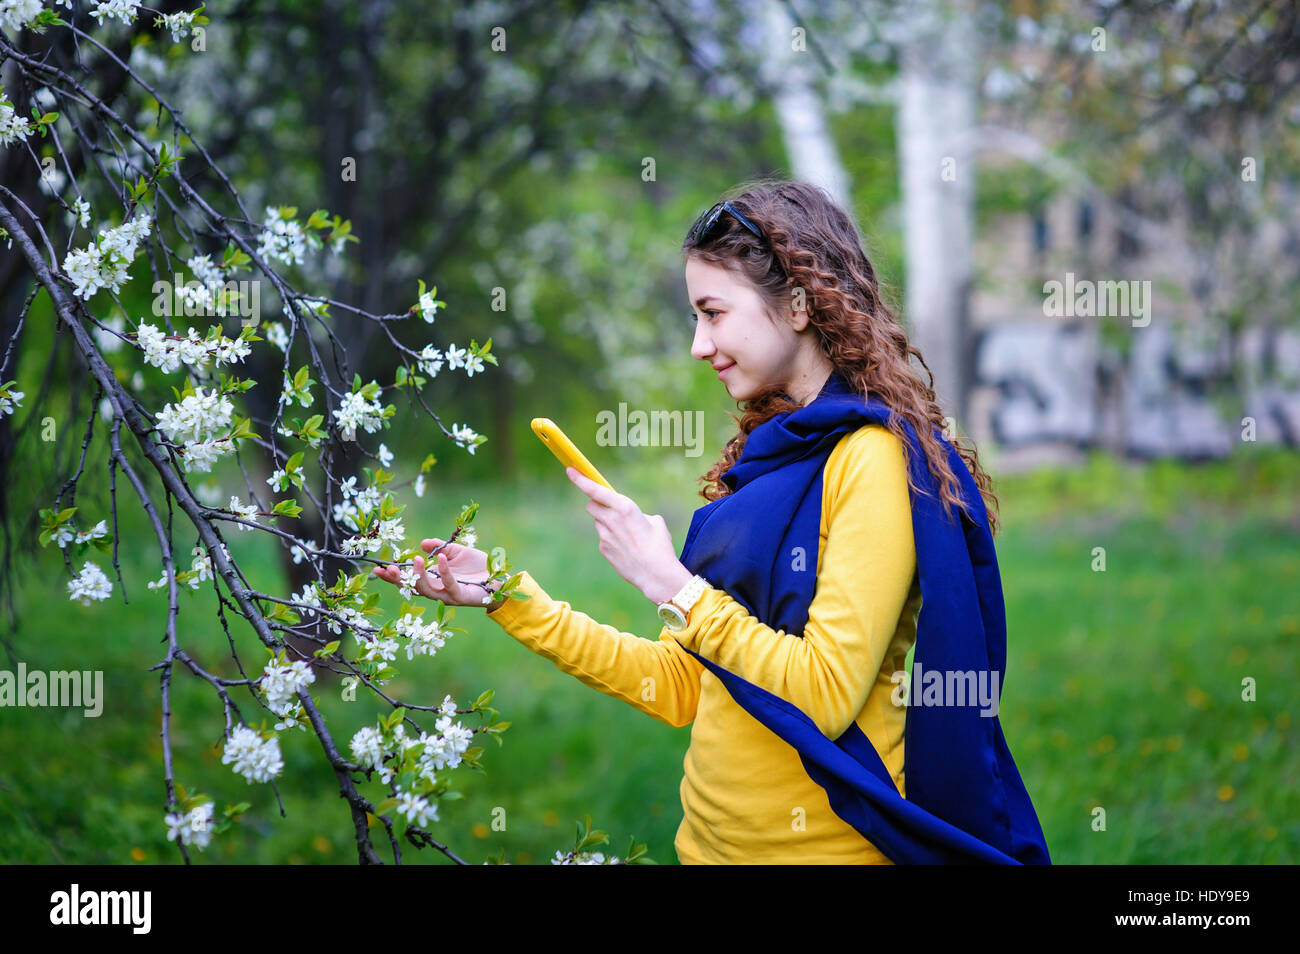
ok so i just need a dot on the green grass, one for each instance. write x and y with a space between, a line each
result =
1123 688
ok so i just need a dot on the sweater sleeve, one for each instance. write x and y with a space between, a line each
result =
656 676
863 582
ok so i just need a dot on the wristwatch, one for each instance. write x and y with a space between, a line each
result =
676 612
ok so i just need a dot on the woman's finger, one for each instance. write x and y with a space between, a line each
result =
424 585
444 571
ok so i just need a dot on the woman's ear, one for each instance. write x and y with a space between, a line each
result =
799 316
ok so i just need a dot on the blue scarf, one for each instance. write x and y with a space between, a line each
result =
966 803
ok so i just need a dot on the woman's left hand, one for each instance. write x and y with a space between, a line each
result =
639 547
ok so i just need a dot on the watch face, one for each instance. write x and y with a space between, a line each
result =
672 616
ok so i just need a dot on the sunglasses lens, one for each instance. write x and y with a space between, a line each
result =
704 225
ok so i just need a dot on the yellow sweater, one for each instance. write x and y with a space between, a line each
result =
746 797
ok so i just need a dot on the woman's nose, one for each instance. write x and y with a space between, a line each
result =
701 346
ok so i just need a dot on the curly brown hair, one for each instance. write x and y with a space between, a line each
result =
813 245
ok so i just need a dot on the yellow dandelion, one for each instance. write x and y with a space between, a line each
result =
1226 792
1196 698
322 844
1239 752
1238 655
1173 743
1147 746
550 819
137 854
481 830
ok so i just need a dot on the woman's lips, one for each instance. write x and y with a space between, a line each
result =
725 370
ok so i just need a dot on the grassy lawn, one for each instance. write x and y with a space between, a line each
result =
1123 690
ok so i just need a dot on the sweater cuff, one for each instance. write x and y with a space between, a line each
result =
711 602
512 611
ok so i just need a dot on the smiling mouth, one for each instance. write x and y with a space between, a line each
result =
721 371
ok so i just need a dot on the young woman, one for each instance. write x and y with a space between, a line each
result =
841 527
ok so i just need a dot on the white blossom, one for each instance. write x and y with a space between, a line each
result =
193 422
12 126
9 400
167 353
81 209
281 238
416 808
178 23
455 357
107 263
193 827
197 416
248 513
356 411
464 436
407 581
430 361
580 858
368 747
98 530
14 14
92 584
253 757
281 682
308 595
423 639
124 10
428 307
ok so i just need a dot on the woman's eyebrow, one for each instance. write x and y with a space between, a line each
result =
699 302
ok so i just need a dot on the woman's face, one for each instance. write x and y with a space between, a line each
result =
735 335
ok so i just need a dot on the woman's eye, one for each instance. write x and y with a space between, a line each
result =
708 311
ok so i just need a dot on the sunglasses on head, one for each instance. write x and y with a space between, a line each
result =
705 224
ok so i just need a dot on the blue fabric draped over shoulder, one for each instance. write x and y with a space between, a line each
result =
966 803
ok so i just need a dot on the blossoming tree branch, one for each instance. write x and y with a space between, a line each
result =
143 207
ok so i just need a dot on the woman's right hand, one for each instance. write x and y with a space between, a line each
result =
455 564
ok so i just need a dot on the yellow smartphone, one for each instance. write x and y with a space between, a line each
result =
565 450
